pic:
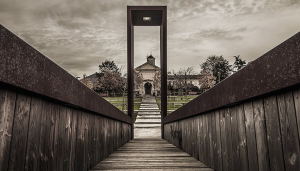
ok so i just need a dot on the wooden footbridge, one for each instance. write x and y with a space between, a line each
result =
50 121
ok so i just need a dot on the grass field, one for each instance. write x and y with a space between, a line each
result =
175 102
118 102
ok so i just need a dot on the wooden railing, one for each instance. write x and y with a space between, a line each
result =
48 119
250 121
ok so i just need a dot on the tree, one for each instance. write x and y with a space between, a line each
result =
109 66
109 78
238 63
181 79
218 65
206 79
157 80
138 80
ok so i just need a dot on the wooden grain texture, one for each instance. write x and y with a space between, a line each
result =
214 141
80 150
201 138
20 131
296 94
228 138
224 140
38 133
234 137
73 140
218 142
7 111
261 135
33 143
207 145
274 135
150 154
45 137
289 131
211 154
53 140
67 138
251 139
240 115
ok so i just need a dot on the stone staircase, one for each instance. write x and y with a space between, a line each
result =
148 121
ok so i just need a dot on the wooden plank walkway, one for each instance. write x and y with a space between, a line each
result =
150 154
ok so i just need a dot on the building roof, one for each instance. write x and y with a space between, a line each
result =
139 67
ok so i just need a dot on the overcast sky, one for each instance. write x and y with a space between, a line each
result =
79 34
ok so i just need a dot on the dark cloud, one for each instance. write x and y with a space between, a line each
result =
79 35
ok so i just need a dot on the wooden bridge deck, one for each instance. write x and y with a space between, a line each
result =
150 154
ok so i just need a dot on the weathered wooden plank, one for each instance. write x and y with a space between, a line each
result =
228 138
240 115
167 158
85 120
273 132
7 111
91 140
250 133
218 165
224 140
235 140
201 140
80 150
209 126
67 138
53 147
61 138
296 94
20 131
33 143
261 135
73 140
214 141
206 141
44 137
289 132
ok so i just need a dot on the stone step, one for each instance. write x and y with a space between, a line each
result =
147 120
142 123
148 117
155 111
149 108
147 125
149 113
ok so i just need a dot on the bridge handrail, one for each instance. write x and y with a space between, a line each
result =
24 67
275 70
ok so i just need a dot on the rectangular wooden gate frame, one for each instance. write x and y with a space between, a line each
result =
147 16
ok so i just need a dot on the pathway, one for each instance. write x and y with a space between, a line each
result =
148 120
150 154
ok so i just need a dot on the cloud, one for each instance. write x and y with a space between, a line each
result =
79 35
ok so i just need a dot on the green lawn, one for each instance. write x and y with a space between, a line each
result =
176 102
118 101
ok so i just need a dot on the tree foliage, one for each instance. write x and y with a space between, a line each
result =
138 80
181 79
110 78
206 79
217 65
238 63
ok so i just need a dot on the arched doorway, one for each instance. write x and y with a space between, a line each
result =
148 87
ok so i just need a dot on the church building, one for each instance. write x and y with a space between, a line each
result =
150 73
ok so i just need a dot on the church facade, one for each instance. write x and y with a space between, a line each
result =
150 74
